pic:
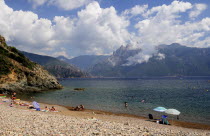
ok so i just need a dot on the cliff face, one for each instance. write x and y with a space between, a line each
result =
19 74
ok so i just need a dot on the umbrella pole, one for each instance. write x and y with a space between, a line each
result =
172 120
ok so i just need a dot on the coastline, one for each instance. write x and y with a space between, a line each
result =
177 123
173 122
132 120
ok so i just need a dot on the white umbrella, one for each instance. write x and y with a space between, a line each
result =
172 111
160 109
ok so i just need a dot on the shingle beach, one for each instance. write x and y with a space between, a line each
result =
20 121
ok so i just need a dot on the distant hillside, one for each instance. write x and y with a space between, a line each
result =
84 62
18 73
58 68
179 61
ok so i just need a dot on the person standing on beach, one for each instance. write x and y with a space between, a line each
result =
13 97
177 117
126 104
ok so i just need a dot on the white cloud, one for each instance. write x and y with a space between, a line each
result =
62 4
136 10
24 29
97 30
164 25
198 8
69 4
137 59
37 3
94 31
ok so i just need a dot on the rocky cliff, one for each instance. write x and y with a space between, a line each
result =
18 73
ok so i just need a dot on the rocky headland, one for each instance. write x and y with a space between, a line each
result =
19 74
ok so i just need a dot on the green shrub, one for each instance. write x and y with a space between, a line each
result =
17 56
3 51
5 65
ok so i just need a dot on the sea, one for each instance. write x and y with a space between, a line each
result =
189 95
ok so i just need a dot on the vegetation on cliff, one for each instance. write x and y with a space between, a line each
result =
18 73
12 53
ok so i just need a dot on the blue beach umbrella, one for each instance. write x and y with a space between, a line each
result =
160 109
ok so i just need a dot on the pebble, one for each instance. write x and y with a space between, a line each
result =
21 122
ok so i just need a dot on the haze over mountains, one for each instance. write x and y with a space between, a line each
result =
59 69
170 60
84 62
176 60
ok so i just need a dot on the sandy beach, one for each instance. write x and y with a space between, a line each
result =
19 120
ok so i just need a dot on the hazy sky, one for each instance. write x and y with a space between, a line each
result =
80 27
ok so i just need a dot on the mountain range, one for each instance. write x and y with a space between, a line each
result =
178 61
56 67
84 62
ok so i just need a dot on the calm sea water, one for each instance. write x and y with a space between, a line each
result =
191 96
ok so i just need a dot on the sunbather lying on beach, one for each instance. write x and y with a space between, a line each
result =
81 107
53 109
30 107
24 104
46 109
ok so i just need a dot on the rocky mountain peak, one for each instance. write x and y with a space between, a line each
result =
121 55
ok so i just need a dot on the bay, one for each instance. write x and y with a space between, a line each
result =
189 95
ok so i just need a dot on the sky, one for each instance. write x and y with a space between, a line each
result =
98 27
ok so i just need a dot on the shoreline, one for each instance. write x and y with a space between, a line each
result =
177 123
173 122
87 122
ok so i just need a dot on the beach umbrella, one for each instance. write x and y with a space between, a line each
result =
172 111
36 104
160 109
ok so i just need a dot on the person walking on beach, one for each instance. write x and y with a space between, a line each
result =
126 104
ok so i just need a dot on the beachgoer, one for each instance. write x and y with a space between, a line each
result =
13 97
53 109
24 104
46 108
177 117
11 104
82 107
30 107
126 104
77 108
